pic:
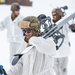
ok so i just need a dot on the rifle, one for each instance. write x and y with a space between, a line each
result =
51 30
59 25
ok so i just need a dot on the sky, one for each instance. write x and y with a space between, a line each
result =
38 7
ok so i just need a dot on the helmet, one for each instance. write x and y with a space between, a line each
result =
31 22
58 11
15 6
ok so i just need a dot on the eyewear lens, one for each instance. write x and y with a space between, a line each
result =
27 30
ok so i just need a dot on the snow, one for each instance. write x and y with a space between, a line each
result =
39 7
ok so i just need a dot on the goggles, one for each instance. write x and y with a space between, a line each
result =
28 30
54 14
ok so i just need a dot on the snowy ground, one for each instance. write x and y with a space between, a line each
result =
39 7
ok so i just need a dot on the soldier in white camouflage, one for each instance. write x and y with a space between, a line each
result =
39 59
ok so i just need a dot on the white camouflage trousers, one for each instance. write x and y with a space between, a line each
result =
60 66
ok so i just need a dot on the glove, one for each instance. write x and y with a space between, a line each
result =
72 27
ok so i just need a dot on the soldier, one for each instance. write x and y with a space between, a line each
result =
14 33
39 59
61 60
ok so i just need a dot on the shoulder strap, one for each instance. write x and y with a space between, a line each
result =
18 56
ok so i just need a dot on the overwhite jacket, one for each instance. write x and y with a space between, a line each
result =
64 50
14 33
38 60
